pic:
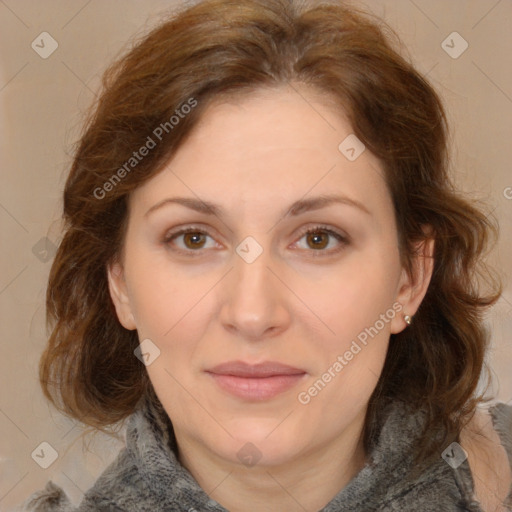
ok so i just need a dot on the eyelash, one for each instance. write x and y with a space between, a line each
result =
344 240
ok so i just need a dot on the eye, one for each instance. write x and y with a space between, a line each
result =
322 239
319 241
189 240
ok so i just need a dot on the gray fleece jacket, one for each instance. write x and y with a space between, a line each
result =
148 477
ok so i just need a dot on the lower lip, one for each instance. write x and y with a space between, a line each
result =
261 388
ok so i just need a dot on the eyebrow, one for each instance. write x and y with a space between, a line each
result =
297 208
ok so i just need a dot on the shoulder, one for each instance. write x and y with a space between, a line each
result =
487 440
51 499
118 482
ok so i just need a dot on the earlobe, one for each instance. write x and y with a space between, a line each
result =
119 295
413 288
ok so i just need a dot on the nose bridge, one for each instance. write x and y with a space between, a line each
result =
251 276
252 304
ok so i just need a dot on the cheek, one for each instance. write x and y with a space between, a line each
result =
356 305
351 354
173 310
352 296
165 299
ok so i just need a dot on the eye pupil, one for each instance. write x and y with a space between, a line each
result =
319 240
193 240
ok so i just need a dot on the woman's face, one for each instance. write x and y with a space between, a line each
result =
248 284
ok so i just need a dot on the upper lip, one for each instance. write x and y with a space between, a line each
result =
265 369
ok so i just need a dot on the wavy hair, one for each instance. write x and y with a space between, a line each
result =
221 48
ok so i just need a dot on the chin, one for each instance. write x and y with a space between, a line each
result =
259 443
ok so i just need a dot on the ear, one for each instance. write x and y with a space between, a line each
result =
412 289
119 295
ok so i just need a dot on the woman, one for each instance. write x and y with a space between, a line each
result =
267 271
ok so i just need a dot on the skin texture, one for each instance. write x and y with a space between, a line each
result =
296 304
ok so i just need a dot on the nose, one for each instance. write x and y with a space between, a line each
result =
254 300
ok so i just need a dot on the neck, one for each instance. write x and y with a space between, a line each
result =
308 481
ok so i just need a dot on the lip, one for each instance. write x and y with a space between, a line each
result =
260 381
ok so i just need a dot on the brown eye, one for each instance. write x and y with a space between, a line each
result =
189 241
194 240
321 241
317 239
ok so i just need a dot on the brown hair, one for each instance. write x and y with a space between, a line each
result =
227 47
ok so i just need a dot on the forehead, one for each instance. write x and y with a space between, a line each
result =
271 146
295 119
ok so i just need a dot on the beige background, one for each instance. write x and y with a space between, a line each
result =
41 108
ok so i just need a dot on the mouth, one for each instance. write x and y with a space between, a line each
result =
256 382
